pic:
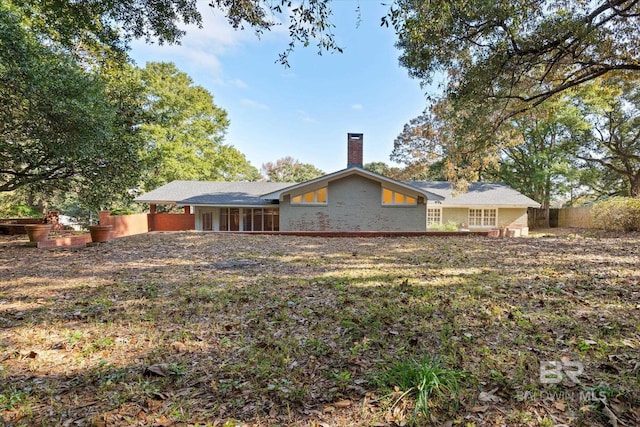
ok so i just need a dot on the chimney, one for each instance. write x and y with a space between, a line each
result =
354 150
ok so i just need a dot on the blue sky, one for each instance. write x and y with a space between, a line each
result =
304 111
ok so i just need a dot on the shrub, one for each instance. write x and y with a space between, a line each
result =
618 213
449 226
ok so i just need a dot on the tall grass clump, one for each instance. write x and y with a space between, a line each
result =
425 380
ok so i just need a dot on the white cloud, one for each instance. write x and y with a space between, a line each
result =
357 107
253 104
200 48
305 117
240 84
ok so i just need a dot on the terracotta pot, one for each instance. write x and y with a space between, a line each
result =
37 232
100 233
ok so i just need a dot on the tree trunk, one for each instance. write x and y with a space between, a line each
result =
635 185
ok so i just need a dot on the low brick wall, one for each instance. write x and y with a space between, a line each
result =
65 242
124 225
171 222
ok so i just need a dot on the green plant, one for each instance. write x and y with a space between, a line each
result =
449 226
426 380
11 399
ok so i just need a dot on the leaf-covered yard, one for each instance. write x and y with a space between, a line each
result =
192 328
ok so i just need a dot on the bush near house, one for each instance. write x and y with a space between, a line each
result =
618 213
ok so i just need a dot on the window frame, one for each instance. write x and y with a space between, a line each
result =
302 197
430 224
394 197
485 216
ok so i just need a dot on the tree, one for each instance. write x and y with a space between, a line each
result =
184 132
59 127
288 169
434 140
415 171
115 22
612 144
539 162
512 55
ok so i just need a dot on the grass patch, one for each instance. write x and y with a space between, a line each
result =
425 381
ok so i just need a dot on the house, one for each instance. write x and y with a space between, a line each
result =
352 199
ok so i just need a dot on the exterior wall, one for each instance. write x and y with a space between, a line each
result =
124 225
354 204
458 215
171 222
512 216
507 217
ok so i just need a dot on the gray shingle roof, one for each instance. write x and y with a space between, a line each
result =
212 193
478 193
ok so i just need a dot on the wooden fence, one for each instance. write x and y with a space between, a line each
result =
564 217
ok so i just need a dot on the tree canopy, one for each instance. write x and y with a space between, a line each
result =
612 144
116 22
513 55
59 125
288 169
184 132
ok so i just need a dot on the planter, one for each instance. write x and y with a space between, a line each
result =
37 232
100 233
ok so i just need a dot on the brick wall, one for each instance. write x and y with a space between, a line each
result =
171 222
124 225
354 204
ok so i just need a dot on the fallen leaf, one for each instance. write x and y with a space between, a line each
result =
560 405
479 408
160 369
489 396
343 403
179 347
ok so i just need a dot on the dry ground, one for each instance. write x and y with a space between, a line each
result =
194 328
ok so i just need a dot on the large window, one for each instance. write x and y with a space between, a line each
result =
483 217
434 216
317 197
394 198
253 219
230 219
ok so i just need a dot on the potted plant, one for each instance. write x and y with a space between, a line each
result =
37 232
100 233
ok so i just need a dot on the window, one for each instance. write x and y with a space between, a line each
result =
390 197
434 216
483 217
317 197
257 219
207 221
230 219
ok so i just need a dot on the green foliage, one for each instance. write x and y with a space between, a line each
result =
449 226
515 54
184 132
424 379
114 23
62 130
289 169
618 213
610 148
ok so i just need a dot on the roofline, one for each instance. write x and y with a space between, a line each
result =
156 202
351 171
